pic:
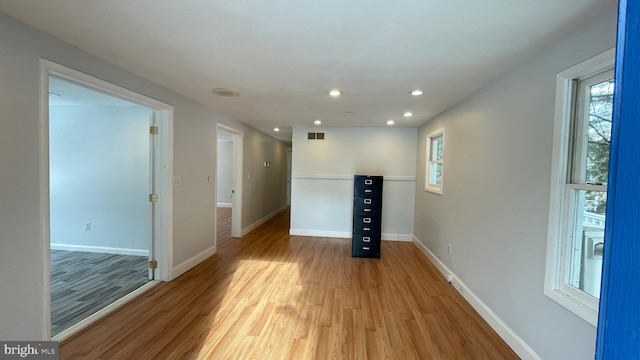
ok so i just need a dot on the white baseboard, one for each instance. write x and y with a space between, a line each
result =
224 205
397 237
504 331
320 233
195 260
253 226
346 234
100 249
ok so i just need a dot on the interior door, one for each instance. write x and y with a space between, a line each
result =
153 197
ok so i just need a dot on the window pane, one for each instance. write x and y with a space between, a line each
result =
435 173
587 240
599 133
436 148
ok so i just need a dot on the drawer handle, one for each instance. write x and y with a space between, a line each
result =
368 190
366 220
367 201
367 209
366 229
366 248
366 239
368 182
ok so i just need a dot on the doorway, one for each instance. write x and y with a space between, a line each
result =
229 178
106 181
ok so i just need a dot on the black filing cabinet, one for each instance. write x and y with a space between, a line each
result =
367 214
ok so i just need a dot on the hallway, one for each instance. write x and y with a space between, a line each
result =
269 295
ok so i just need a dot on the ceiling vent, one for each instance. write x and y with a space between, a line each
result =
315 136
225 92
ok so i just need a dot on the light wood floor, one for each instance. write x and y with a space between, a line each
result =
269 295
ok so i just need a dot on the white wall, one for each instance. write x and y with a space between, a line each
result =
322 178
496 194
22 250
225 171
99 173
266 187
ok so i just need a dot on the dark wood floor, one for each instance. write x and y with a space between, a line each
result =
83 283
269 295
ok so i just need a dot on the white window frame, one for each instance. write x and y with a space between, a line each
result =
556 285
434 188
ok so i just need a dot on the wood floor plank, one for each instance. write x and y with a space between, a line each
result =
269 295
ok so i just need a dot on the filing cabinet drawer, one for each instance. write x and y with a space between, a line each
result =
365 246
366 240
368 185
366 225
367 205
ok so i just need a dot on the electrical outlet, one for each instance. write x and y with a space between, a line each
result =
449 249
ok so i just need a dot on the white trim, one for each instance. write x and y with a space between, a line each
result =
95 84
507 334
347 234
45 216
586 187
347 177
253 226
100 249
225 205
397 237
560 153
436 189
193 261
85 323
321 233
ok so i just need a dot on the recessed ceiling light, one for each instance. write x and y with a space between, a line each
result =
335 92
416 92
317 122
225 92
408 114
276 129
390 122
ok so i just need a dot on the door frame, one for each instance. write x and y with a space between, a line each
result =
236 200
163 249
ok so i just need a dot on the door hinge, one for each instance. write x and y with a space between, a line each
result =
153 130
153 264
153 197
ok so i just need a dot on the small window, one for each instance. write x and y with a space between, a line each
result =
579 185
435 162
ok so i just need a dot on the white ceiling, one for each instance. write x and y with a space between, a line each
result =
284 55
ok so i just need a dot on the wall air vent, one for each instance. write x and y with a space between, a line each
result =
315 136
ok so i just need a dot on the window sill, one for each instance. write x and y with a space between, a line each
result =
574 305
433 189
